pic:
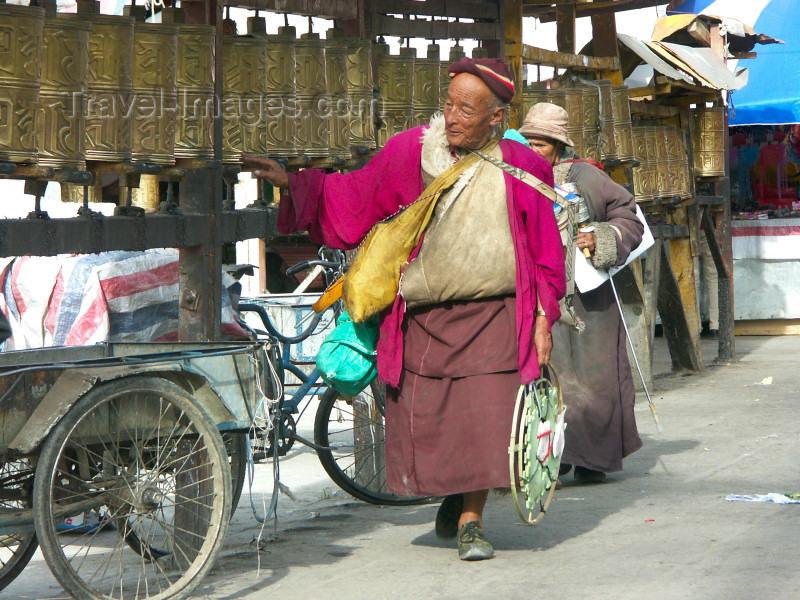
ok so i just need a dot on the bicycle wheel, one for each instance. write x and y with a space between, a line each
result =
17 545
142 454
263 441
348 431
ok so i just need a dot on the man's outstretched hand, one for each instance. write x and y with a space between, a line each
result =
268 169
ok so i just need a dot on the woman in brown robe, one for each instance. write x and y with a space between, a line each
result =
592 365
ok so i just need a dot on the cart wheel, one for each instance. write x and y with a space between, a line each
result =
17 545
350 435
236 447
139 456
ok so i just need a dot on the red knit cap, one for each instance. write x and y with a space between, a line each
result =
493 71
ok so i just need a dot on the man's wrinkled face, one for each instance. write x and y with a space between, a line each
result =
469 112
548 149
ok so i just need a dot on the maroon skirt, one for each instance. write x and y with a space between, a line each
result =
448 423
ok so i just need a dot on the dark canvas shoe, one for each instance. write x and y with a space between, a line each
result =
448 515
584 475
472 543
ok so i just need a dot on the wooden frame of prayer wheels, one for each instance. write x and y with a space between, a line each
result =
21 33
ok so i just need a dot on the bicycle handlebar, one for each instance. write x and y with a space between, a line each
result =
265 318
306 264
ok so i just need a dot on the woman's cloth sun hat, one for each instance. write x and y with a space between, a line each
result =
546 120
493 71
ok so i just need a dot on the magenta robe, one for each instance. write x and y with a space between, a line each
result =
338 211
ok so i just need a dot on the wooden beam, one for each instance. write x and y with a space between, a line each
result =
645 109
327 9
578 62
386 25
546 13
565 28
485 11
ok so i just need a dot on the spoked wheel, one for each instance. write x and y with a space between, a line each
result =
140 455
17 544
350 435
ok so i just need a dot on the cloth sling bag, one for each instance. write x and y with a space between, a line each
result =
372 281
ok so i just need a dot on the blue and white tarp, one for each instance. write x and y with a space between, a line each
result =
772 95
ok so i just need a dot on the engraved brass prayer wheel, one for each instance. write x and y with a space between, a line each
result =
155 93
281 103
685 184
336 77
642 188
426 86
575 131
657 152
674 163
61 123
20 68
396 83
244 87
194 129
608 140
591 124
456 53
110 81
71 192
530 96
623 128
708 140
360 94
313 102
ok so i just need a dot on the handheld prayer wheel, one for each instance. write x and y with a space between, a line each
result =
336 78
623 128
155 92
608 140
21 36
573 104
61 123
642 188
109 84
426 86
591 121
708 141
396 83
244 87
360 93
194 128
281 104
313 102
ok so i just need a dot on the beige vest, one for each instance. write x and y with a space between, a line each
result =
467 252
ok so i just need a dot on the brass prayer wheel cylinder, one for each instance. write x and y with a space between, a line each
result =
641 175
573 104
313 102
674 162
244 88
426 86
147 196
155 93
396 83
591 121
623 128
336 78
194 129
532 95
281 102
20 68
708 141
360 93
657 152
71 192
608 140
109 91
61 123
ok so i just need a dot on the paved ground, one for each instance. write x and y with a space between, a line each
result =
661 529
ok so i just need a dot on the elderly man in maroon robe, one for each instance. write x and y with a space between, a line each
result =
476 300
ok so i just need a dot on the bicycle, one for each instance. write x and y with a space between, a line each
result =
348 430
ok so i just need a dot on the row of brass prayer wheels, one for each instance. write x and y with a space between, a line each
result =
663 170
599 117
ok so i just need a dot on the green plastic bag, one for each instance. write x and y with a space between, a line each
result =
346 359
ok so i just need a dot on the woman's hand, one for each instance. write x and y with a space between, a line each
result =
586 240
542 340
267 169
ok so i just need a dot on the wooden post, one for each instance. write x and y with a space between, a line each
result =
565 28
604 40
511 50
